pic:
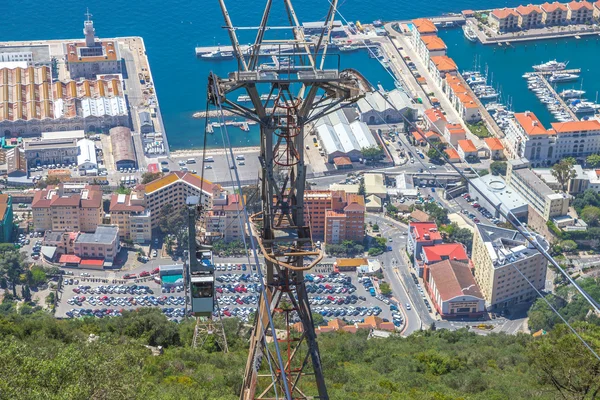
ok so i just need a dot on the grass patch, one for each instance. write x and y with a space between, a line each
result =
479 129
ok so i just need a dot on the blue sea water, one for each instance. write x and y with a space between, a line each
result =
172 29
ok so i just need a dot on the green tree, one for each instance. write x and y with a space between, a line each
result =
375 228
385 289
26 293
568 246
593 160
563 171
361 188
435 153
173 221
498 168
148 177
37 276
591 215
464 236
372 153
11 265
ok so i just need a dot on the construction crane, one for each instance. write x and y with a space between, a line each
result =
200 284
300 91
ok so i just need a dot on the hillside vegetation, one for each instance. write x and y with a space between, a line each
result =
45 358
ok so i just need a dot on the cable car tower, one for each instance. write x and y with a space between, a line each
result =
201 277
300 90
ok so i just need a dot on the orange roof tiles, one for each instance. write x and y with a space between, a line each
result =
530 123
455 129
187 177
576 126
452 154
467 146
434 115
528 9
109 52
429 135
434 43
578 5
444 63
424 25
351 262
339 161
425 228
552 7
445 251
502 13
453 279
493 144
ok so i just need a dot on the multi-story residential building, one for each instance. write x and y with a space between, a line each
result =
580 12
504 19
452 155
16 163
461 99
435 120
67 207
530 16
90 58
453 289
422 27
445 251
430 46
554 13
535 191
129 213
6 218
334 216
597 10
175 188
527 137
453 133
103 244
495 147
501 258
466 149
226 219
64 242
440 67
421 234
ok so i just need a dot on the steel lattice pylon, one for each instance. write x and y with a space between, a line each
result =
282 234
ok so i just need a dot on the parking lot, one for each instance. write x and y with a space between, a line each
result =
474 211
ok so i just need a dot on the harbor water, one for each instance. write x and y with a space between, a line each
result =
171 31
506 65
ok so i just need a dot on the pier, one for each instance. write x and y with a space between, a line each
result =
565 71
556 95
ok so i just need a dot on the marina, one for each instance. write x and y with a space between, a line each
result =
546 93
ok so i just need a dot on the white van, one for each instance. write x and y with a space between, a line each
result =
191 161
209 159
240 157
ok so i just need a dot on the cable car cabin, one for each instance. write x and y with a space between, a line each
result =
203 295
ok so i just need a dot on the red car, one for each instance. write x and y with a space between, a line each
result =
476 205
227 313
239 301
129 276
144 273
155 271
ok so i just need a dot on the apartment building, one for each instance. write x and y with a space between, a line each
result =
430 46
226 219
461 99
175 188
495 148
527 137
597 10
67 207
580 12
422 27
535 191
466 149
530 16
128 212
435 120
453 290
501 258
440 67
504 19
102 245
554 13
444 251
334 216
453 133
421 234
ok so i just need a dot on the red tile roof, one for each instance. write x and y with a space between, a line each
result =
69 258
339 161
552 7
444 251
467 146
425 228
125 206
434 115
576 126
452 154
455 129
453 279
173 177
434 43
502 13
41 200
530 123
493 144
577 5
424 25
444 63
528 9
92 262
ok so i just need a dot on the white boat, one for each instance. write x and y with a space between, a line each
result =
218 54
349 47
571 93
585 107
243 98
551 65
528 75
563 77
469 33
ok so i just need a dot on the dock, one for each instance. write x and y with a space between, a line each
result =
557 96
265 50
564 71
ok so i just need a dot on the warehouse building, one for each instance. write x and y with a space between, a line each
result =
122 147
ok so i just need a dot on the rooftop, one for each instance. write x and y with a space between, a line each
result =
444 63
452 154
424 25
454 279
577 5
552 7
493 143
350 262
506 246
528 9
179 176
435 114
338 134
122 202
502 13
499 194
104 234
420 229
467 146
576 126
434 43
534 181
530 123
455 129
445 251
